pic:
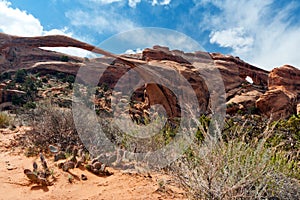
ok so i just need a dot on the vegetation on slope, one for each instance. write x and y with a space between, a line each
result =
252 158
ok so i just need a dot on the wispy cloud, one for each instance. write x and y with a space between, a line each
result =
162 2
133 3
258 31
235 38
18 22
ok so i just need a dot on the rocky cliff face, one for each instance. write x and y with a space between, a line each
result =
283 94
274 93
238 70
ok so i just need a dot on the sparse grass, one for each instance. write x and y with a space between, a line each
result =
70 178
68 155
31 151
237 169
5 120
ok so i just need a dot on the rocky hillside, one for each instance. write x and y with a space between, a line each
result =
274 94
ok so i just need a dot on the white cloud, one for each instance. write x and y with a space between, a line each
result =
17 22
131 51
133 3
268 38
154 2
165 2
162 2
58 32
235 38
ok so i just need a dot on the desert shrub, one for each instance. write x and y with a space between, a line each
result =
30 88
20 76
17 99
240 112
70 79
52 125
27 83
237 169
61 75
44 79
64 59
286 136
252 110
4 120
204 123
65 77
30 105
5 76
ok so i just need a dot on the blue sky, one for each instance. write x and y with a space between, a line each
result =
264 33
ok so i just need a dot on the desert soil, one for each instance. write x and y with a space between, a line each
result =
121 185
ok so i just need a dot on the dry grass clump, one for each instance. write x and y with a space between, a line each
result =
237 170
4 120
51 125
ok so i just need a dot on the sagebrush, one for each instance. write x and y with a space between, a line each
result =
236 169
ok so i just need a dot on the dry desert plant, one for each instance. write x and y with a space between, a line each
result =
52 125
4 120
235 169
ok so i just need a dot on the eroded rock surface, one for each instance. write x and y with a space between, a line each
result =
282 97
275 93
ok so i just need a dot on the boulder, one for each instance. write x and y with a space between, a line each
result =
244 101
282 97
277 104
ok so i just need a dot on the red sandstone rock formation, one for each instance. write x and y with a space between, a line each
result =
281 100
277 92
234 71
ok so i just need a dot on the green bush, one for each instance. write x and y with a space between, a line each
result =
20 76
27 84
18 100
64 58
286 135
252 110
5 76
70 79
44 79
61 75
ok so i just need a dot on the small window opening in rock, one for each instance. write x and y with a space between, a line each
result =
249 79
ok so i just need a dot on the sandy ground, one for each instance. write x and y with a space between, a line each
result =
121 185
